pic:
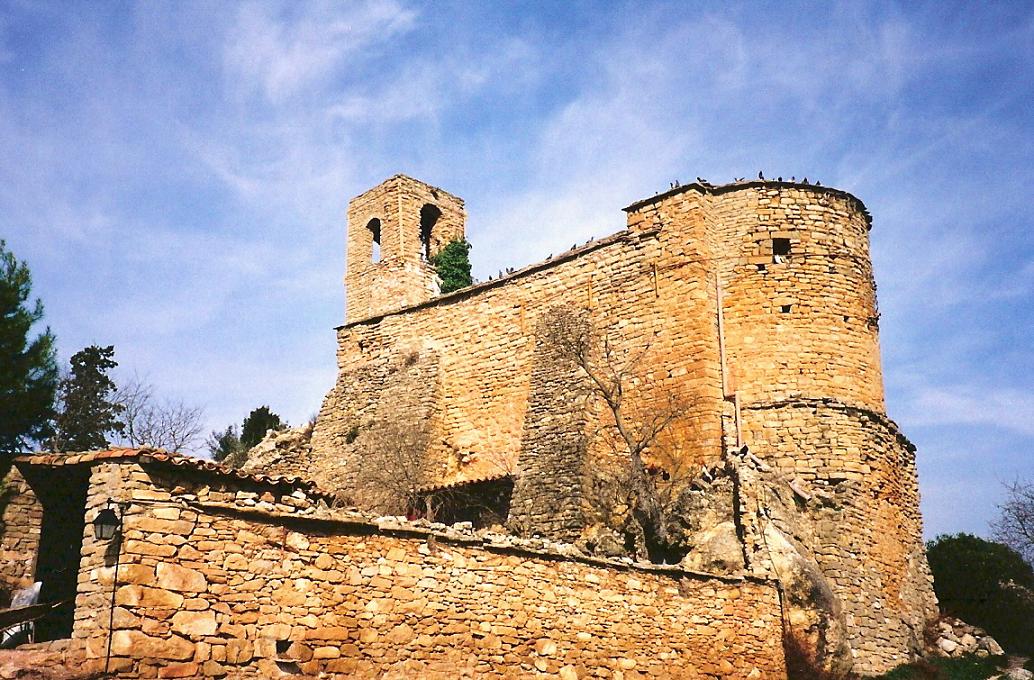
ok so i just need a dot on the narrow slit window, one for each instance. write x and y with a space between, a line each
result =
780 250
374 226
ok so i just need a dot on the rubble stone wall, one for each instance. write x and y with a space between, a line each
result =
221 581
21 518
865 514
485 340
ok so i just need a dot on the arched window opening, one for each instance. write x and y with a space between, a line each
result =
429 215
374 226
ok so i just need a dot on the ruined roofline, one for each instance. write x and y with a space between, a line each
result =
401 176
593 245
168 459
336 521
718 189
567 255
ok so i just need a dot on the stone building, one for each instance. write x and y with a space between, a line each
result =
750 306
752 302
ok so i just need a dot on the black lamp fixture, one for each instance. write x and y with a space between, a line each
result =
106 524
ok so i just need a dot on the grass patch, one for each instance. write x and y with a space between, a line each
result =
962 668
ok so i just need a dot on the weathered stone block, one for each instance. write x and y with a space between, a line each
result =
174 577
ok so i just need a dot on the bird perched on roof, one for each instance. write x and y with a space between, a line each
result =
761 175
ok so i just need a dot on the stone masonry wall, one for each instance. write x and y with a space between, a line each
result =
782 268
485 339
865 511
218 581
554 447
21 517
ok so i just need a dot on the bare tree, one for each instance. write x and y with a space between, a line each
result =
165 424
633 429
393 469
1015 526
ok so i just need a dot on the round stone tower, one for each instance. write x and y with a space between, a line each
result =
798 297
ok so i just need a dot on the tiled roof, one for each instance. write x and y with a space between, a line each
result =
464 482
163 457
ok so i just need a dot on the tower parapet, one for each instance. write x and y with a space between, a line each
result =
795 287
394 230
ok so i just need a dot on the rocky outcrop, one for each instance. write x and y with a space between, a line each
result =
954 637
777 533
278 447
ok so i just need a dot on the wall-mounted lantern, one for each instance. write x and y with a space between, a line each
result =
106 524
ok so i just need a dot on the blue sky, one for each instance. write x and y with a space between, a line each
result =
176 174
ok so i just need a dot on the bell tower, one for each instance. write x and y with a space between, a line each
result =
394 230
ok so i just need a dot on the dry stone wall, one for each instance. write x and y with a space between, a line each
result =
21 518
864 507
217 580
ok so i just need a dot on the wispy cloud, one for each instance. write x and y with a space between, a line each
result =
967 404
178 178
282 49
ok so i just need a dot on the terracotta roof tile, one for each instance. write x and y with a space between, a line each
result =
464 482
163 457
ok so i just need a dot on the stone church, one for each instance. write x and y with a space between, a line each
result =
740 319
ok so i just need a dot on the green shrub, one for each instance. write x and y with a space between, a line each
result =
985 584
453 265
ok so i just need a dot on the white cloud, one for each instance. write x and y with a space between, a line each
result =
999 407
281 50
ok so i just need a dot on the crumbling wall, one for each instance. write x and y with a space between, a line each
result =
218 581
21 517
631 287
553 449
395 397
859 474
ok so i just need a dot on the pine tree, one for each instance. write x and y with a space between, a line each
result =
255 426
28 371
453 265
224 444
88 412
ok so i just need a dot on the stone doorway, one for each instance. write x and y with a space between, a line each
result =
63 497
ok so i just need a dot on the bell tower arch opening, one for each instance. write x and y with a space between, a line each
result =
374 227
429 215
